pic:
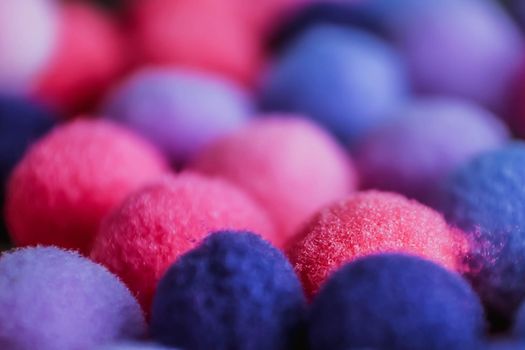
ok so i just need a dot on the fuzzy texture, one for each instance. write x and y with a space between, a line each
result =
289 165
371 222
347 80
235 288
178 33
468 48
395 302
157 224
430 139
52 299
485 199
179 110
69 180
25 48
89 57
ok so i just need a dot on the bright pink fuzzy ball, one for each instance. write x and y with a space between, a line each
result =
69 180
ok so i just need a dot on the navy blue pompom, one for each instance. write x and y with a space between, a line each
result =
21 122
394 301
486 199
234 291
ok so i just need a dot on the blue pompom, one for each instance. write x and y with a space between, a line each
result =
234 291
21 122
345 79
486 199
394 301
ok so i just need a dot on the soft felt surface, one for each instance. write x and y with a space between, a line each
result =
157 224
179 110
88 58
236 289
70 179
371 222
430 138
485 198
52 299
289 165
345 79
395 302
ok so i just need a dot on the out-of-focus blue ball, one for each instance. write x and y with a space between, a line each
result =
394 301
431 137
234 291
345 79
486 199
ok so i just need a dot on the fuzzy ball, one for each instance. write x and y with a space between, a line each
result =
28 36
88 59
344 79
157 224
289 165
432 136
235 288
468 48
179 110
70 179
395 302
371 222
52 299
485 198
203 34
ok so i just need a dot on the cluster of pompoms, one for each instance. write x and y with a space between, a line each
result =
262 175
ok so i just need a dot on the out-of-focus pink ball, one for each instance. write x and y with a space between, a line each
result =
28 35
291 166
87 61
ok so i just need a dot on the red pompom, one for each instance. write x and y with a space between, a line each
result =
89 58
289 165
157 224
71 179
368 223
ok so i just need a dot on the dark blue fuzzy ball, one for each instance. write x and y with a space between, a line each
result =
394 301
234 291
21 122
486 199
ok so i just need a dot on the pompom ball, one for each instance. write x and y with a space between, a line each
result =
371 222
395 302
179 110
88 59
291 166
234 291
69 180
155 225
431 137
345 79
467 48
28 37
52 299
486 199
204 34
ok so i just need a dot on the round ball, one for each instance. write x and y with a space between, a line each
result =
88 59
204 34
235 288
431 137
179 110
157 224
290 166
362 80
371 222
485 198
28 36
70 179
469 48
395 302
57 300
